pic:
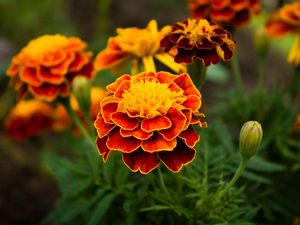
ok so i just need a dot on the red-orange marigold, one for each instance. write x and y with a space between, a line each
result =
28 118
224 12
149 118
200 39
47 66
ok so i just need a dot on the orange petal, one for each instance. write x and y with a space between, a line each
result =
277 28
45 75
190 137
188 116
29 75
12 70
125 85
164 77
123 121
141 161
102 148
157 143
52 58
109 105
184 81
113 86
102 128
79 61
176 159
178 120
117 142
156 123
45 92
192 102
62 68
137 133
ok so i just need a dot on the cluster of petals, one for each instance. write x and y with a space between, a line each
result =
149 117
48 64
193 38
224 12
137 47
28 118
287 20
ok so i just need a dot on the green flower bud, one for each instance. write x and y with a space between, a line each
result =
261 42
82 92
250 138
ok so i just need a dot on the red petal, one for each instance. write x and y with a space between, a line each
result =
45 74
125 85
29 75
141 161
176 159
64 66
137 133
113 86
123 121
79 61
157 123
178 120
184 81
45 92
117 142
157 143
102 128
108 105
190 137
193 102
164 77
102 148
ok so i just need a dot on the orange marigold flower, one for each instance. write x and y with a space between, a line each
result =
149 118
134 45
28 118
224 12
287 20
200 39
47 65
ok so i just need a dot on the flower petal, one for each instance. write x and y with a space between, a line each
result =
157 143
190 137
137 133
102 128
124 121
117 142
176 159
113 86
185 82
141 161
193 102
178 120
102 148
156 123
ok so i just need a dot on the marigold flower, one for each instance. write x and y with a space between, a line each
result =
134 45
200 39
287 20
224 12
47 66
28 118
149 117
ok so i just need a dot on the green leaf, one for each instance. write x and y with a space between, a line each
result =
259 164
77 186
99 212
255 177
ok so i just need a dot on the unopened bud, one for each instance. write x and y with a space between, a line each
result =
250 138
82 92
261 42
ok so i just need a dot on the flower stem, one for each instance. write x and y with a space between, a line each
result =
236 176
197 71
295 83
161 179
261 74
236 72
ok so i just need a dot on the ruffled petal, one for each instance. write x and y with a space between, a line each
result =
190 137
157 143
176 159
102 128
141 161
137 133
102 148
124 121
117 142
157 123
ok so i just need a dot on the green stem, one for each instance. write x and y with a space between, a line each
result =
161 179
91 155
261 74
236 176
236 72
197 71
295 83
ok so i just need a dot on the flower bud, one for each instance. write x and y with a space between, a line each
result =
261 42
250 138
82 92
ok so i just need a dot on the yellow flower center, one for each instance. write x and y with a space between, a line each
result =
195 30
149 98
45 44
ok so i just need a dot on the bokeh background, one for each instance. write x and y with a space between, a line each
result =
27 189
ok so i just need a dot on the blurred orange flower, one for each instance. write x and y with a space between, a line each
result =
200 39
149 117
224 12
28 118
285 21
297 124
134 45
47 65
